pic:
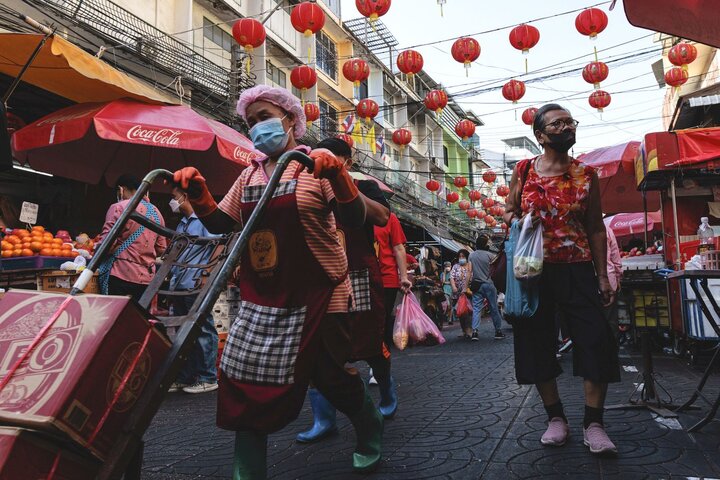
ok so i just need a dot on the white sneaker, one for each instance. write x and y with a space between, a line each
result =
201 387
372 380
177 386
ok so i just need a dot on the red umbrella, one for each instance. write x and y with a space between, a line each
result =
624 224
89 141
383 187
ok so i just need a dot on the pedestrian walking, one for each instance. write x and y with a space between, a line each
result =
483 287
199 374
131 266
447 290
460 277
564 196
295 288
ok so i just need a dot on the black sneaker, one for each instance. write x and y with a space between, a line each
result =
499 335
474 337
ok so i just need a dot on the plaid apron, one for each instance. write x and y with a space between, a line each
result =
273 342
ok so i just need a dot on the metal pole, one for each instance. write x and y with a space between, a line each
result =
678 260
48 32
645 217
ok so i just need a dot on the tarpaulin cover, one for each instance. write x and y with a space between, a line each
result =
607 160
697 145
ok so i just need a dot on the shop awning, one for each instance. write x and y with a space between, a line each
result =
697 145
67 70
697 20
451 245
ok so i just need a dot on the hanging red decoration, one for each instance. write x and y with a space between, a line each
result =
307 18
503 190
356 70
474 195
346 138
402 137
303 77
489 176
676 76
465 50
471 212
372 9
488 202
464 205
513 90
591 21
528 115
465 129
410 62
248 33
489 219
436 100
503 226
595 72
312 113
524 37
682 54
599 99
460 182
433 185
452 197
367 109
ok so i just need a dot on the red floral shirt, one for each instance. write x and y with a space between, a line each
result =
561 202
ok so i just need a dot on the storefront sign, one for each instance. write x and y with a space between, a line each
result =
29 213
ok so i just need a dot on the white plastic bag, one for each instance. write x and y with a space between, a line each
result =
528 254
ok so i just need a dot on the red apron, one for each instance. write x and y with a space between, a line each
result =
272 345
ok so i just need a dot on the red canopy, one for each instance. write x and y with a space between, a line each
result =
88 141
608 160
697 145
624 224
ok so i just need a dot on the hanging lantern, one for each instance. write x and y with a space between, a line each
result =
513 90
488 202
676 76
303 77
307 18
452 197
489 219
489 176
460 182
503 190
599 99
436 100
433 185
356 70
465 129
464 205
410 62
402 137
367 109
591 21
248 33
503 226
471 212
474 195
372 9
528 115
465 50
524 37
595 72
312 113
346 138
682 54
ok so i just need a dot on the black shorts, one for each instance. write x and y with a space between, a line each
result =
569 289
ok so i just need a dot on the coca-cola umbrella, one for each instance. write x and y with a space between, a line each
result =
624 224
89 141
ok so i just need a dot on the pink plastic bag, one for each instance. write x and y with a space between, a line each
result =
412 325
463 307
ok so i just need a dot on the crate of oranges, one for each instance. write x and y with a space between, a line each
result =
34 249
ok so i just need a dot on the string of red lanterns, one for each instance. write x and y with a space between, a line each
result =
465 129
410 62
402 137
249 34
312 113
303 78
595 72
599 99
367 109
590 22
465 50
348 139
436 100
528 115
513 90
372 9
307 18
524 37
682 54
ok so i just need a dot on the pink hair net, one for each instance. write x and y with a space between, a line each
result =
279 97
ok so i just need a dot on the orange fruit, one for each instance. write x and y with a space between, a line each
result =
46 252
57 241
47 236
38 228
17 252
69 254
14 239
56 252
26 252
5 245
21 233
35 246
26 243
6 253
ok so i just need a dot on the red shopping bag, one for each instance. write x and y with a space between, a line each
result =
463 307
412 325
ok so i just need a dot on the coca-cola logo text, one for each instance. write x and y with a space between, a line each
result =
242 154
67 117
163 136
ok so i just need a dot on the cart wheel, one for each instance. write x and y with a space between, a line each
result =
679 346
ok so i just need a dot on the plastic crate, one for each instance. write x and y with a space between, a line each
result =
649 308
60 281
36 262
697 325
711 260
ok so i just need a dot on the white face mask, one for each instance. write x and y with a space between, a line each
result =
174 205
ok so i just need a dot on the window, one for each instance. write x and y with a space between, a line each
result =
389 107
446 159
275 76
363 90
217 35
326 55
328 118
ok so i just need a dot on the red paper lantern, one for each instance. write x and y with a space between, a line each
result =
595 72
464 205
436 100
248 33
528 115
489 176
488 202
367 109
346 138
433 185
312 113
489 219
356 70
307 18
503 190
460 182
303 77
471 212
524 37
676 76
402 137
465 50
682 54
452 197
504 226
513 90
372 9
591 21
465 129
599 99
474 195
410 62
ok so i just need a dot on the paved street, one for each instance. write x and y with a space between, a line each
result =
461 417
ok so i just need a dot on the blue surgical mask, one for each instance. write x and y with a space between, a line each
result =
269 136
462 261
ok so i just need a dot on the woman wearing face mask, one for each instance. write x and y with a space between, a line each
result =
445 280
564 195
460 276
294 285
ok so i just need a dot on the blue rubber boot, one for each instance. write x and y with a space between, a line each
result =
324 419
388 397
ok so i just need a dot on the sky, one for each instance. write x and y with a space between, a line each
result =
636 106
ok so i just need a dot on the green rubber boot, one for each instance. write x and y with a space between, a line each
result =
250 456
368 423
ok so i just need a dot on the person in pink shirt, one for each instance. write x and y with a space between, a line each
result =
615 273
132 264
